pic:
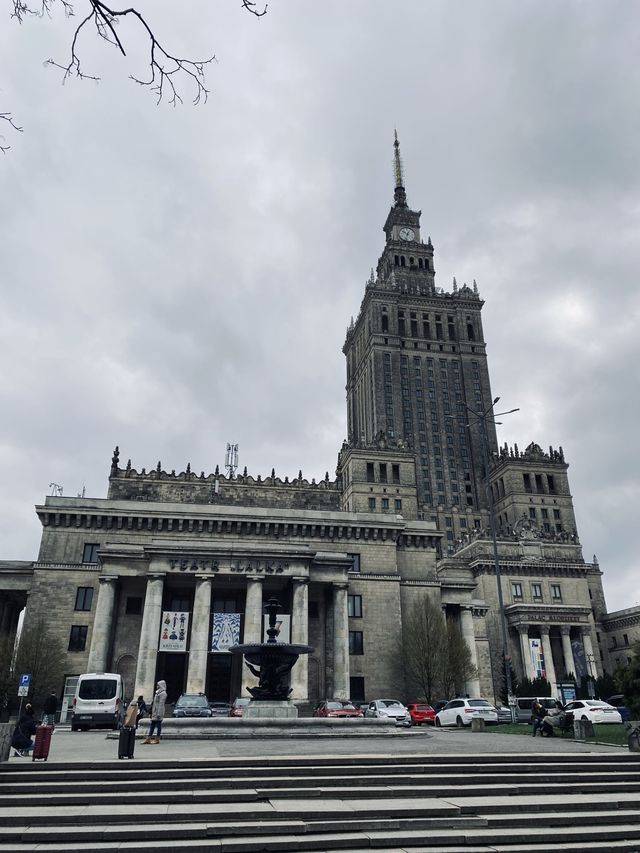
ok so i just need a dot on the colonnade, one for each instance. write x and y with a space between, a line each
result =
567 651
200 640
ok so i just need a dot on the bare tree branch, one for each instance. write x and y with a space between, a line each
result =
250 7
11 122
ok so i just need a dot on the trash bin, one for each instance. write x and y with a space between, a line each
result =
582 729
477 724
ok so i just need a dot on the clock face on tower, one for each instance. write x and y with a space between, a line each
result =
406 234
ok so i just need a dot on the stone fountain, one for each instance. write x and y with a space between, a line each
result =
271 663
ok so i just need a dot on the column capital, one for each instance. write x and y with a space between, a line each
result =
544 630
256 579
523 629
565 630
108 578
156 576
301 580
340 585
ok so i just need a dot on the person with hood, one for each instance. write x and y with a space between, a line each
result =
49 710
157 713
24 731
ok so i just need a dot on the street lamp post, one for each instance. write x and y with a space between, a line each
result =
481 421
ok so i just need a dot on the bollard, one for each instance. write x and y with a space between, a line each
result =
477 724
6 732
582 729
632 731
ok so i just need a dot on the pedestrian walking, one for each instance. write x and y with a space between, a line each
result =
157 713
49 710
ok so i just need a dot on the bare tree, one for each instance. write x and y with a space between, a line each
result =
457 666
41 654
422 647
167 71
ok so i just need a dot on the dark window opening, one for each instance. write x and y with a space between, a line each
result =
385 323
383 472
134 605
90 552
84 598
355 562
354 606
356 644
395 473
78 638
370 473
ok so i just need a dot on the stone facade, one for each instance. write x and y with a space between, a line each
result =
408 514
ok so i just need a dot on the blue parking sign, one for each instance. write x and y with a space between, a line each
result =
25 680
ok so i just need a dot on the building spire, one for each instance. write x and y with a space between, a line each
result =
399 193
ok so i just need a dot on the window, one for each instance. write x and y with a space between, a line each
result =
134 605
354 606
372 504
370 474
78 638
182 605
383 472
398 504
90 552
556 592
395 473
551 484
516 591
544 513
539 487
532 513
536 591
356 646
84 597
626 639
385 503
220 605
355 562
527 482
556 514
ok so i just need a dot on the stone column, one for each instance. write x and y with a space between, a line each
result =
102 625
300 634
340 642
252 627
549 668
149 636
567 651
592 664
200 637
527 663
472 686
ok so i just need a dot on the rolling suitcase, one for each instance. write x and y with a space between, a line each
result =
126 742
42 743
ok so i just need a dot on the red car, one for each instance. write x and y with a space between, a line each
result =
336 708
420 713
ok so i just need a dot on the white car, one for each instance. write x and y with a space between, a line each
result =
391 708
594 710
460 712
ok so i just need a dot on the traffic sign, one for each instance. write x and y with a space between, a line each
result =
23 691
24 680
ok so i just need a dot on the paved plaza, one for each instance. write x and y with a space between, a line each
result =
102 746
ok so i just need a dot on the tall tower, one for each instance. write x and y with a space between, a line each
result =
416 363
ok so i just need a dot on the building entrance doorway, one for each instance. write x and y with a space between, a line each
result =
172 667
223 677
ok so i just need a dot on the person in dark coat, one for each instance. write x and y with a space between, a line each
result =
24 731
538 713
49 710
142 710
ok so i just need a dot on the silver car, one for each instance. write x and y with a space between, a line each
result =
388 708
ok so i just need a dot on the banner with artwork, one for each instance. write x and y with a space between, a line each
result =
579 658
283 624
173 633
537 658
225 631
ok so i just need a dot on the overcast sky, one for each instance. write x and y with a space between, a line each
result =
174 279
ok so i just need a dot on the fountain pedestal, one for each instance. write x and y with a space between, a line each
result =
270 710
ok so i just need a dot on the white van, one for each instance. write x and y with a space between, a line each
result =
98 701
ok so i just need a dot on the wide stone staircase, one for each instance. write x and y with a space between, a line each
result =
450 803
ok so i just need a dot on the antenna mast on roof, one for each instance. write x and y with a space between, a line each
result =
231 460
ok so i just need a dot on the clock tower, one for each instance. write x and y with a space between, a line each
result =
416 362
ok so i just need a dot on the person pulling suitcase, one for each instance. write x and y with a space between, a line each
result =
127 737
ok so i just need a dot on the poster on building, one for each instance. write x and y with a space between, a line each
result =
173 634
283 624
225 631
579 658
537 658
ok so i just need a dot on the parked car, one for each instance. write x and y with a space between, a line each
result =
460 712
220 709
439 704
237 709
524 704
192 705
98 701
620 704
504 714
390 708
421 713
336 708
594 710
